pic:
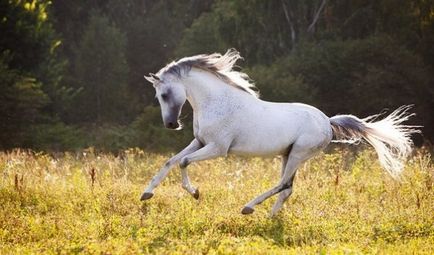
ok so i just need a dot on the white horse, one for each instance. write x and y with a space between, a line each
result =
228 117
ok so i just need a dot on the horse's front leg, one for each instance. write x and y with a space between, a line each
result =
186 184
158 178
209 151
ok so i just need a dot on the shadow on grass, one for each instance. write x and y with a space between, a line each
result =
284 234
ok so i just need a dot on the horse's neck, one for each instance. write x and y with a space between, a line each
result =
204 90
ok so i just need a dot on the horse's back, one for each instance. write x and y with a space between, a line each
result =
304 118
271 128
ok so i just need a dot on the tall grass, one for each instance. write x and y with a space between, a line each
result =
89 203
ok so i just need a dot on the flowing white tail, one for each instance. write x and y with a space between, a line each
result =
390 139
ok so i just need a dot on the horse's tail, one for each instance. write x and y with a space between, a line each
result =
390 139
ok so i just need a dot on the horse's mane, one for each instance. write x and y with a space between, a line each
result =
217 64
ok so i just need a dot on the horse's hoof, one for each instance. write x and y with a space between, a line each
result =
196 194
146 196
247 210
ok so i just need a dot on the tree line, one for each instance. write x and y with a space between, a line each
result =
71 72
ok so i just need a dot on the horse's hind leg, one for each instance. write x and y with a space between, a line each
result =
283 196
301 151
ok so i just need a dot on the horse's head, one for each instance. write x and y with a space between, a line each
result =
171 96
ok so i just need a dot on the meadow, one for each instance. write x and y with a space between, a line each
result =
88 203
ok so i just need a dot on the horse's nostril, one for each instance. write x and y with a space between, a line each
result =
172 125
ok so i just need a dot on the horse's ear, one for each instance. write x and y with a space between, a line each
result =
152 78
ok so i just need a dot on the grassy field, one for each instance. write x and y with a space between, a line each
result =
89 203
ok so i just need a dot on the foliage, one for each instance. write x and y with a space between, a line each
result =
149 134
358 69
31 49
55 137
201 37
30 70
101 71
89 203
277 84
142 133
21 100
30 37
238 23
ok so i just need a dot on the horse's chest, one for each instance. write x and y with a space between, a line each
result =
222 122
208 129
207 134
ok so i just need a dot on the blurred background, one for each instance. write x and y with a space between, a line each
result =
71 72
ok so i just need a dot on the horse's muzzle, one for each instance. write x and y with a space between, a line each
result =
172 125
171 119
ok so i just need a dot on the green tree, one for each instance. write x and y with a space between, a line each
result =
101 71
21 100
31 72
262 30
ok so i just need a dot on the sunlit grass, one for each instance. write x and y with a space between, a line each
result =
89 203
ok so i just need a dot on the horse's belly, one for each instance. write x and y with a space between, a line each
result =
265 144
259 151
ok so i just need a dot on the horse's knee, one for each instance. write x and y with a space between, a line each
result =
184 162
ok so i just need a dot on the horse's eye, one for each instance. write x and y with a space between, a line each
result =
164 96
